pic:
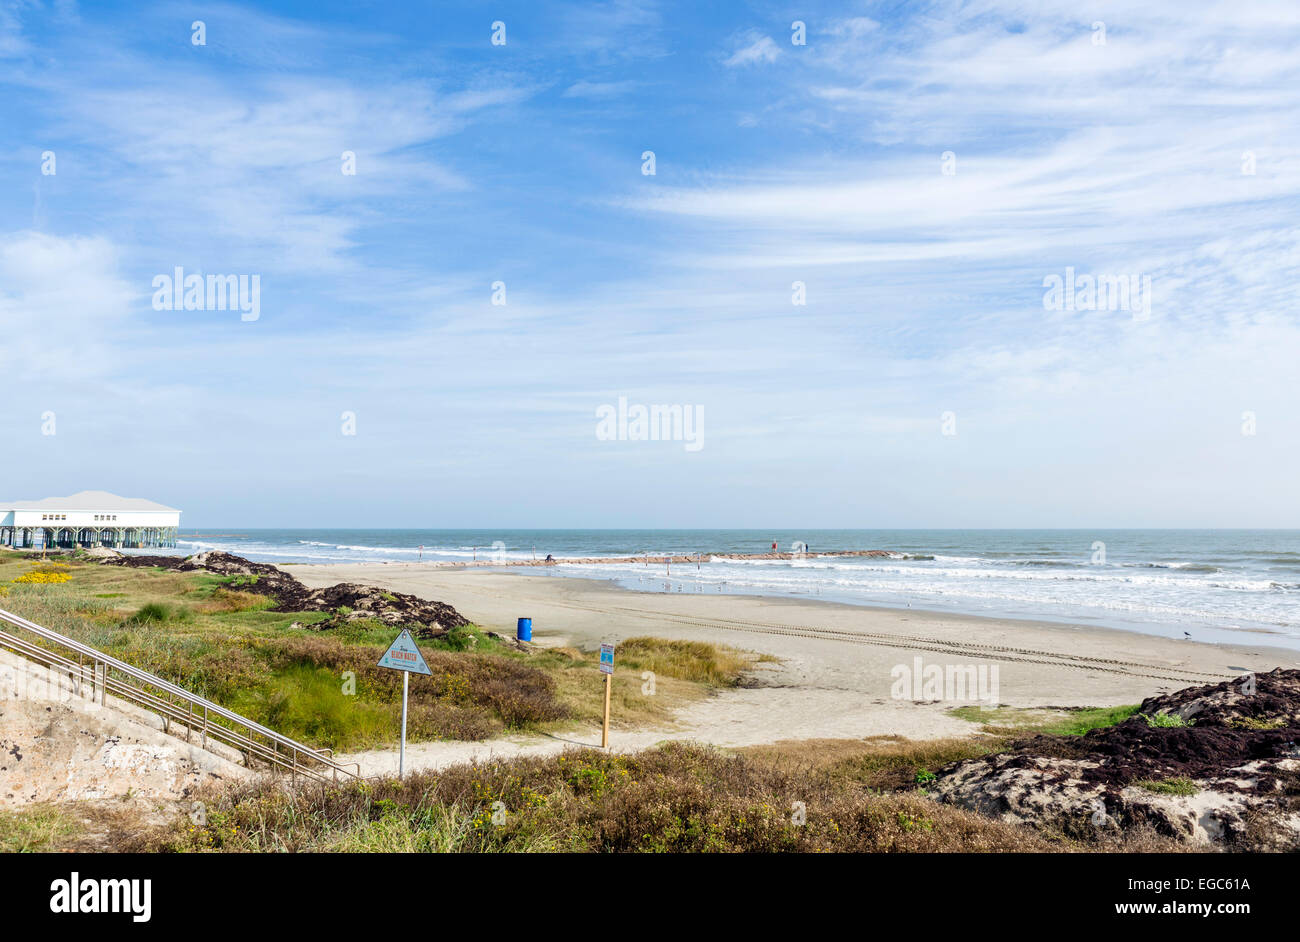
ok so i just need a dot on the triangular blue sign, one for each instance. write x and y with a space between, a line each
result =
403 655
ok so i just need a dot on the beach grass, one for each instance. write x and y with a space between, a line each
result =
695 661
34 829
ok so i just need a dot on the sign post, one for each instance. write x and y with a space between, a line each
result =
606 668
403 655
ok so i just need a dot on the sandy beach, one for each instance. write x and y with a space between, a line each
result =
833 679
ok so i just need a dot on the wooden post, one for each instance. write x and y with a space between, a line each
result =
401 755
604 733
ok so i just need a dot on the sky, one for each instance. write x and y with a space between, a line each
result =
916 173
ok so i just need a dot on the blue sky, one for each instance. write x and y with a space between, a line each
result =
775 163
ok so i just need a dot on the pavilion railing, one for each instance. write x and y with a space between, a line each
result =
87 668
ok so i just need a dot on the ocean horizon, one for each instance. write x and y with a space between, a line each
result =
1224 586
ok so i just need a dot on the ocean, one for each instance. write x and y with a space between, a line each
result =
1238 586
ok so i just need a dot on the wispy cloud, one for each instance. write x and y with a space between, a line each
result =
601 90
754 49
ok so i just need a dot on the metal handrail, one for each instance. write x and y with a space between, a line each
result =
274 749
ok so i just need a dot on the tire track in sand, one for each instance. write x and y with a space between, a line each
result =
938 645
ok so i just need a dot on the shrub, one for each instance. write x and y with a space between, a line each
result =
677 798
158 612
43 577
466 696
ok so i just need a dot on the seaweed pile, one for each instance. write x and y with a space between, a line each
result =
1216 764
347 601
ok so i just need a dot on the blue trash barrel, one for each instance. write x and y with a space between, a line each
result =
525 630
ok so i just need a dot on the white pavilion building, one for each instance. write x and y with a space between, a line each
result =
91 518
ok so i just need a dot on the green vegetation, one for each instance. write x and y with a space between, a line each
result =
672 799
1252 722
36 829
1170 786
203 632
156 613
685 660
1067 721
1165 720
